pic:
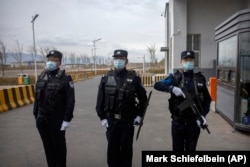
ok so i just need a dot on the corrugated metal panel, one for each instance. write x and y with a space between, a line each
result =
225 102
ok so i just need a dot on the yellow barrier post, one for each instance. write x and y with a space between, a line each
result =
3 105
24 93
17 97
11 100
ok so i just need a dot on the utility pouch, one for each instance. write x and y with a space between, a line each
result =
51 87
39 88
110 90
109 103
173 105
40 85
121 94
50 94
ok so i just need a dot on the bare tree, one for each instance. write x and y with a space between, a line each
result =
3 56
151 50
30 50
17 55
72 57
44 50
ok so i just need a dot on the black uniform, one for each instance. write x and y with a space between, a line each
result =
116 102
185 131
54 103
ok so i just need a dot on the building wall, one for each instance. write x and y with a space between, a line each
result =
203 17
178 30
198 17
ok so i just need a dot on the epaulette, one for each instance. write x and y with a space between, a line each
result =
199 74
111 71
42 75
133 73
60 74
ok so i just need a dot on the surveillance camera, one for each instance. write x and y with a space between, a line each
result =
178 31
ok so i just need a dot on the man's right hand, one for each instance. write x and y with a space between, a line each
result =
178 92
105 123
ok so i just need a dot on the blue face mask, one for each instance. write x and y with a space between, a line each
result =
119 64
188 66
51 66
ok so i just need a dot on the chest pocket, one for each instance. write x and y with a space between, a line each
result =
40 86
111 86
129 88
200 81
53 93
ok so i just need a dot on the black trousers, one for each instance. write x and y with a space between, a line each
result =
54 142
120 143
185 135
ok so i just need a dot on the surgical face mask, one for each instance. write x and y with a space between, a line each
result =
51 66
188 66
119 64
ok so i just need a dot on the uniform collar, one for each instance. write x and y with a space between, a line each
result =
120 72
188 73
54 72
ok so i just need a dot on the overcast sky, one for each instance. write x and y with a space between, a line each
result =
72 25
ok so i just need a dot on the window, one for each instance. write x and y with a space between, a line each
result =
227 52
194 43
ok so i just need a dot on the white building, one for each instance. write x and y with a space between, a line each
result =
190 25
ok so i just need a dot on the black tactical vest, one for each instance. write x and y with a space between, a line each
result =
49 93
175 101
119 98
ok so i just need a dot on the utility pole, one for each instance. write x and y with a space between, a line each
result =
34 43
94 41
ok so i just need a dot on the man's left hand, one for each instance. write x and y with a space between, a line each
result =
65 125
137 120
204 122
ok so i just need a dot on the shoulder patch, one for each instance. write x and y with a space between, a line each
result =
71 84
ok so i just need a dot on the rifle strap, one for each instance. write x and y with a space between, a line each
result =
196 92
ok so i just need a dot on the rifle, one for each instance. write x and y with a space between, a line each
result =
190 103
143 115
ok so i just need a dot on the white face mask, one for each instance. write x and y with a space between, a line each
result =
51 66
119 64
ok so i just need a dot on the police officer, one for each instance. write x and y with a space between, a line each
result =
118 110
185 126
53 109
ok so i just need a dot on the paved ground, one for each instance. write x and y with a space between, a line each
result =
20 144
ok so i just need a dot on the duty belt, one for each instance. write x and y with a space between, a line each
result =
116 116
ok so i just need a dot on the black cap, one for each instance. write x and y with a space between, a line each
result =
186 54
120 53
55 53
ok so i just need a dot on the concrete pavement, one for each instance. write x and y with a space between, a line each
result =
20 143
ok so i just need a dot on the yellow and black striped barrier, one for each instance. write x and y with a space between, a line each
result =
149 80
81 76
15 97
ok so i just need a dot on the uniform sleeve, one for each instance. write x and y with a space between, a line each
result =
70 99
141 95
207 101
35 108
100 100
164 85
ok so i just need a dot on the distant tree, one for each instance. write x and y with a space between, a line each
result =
87 60
44 50
17 54
72 58
30 50
153 60
3 56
